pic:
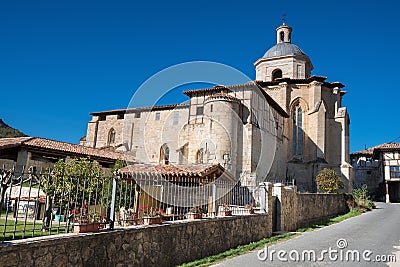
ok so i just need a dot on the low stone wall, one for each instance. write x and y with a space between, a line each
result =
315 208
168 244
296 210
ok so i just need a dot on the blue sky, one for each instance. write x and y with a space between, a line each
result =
61 60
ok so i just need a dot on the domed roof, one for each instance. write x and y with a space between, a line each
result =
283 49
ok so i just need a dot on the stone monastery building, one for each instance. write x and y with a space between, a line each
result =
285 125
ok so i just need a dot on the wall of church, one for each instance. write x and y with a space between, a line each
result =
142 135
99 129
322 144
160 128
268 141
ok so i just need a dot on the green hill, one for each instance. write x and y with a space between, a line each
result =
7 131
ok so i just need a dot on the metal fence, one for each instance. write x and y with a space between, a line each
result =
44 202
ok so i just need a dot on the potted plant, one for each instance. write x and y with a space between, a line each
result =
152 216
225 210
88 223
249 209
195 213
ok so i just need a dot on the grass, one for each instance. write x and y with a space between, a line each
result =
26 230
351 213
240 250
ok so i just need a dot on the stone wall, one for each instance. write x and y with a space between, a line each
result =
315 208
168 244
299 210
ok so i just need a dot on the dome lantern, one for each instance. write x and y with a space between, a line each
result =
284 34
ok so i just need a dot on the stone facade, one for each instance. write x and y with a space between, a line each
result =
285 125
367 171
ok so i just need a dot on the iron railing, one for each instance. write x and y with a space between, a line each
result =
36 203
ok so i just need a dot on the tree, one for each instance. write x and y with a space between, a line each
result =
119 164
75 183
328 181
8 178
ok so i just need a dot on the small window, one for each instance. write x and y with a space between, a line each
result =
157 116
120 116
200 156
102 118
137 115
199 110
276 74
164 154
211 108
394 171
282 36
176 118
111 136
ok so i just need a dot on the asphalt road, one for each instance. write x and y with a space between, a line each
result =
373 236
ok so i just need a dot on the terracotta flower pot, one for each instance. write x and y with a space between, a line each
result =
193 216
249 211
152 220
86 227
226 213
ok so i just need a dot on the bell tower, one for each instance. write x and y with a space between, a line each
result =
283 60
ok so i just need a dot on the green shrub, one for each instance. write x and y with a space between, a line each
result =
328 181
362 198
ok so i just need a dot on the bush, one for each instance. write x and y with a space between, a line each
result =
350 202
362 198
328 181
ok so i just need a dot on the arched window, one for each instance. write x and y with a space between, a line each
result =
183 154
111 136
297 148
276 74
282 35
200 156
164 154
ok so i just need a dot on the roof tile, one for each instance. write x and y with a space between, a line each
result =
42 143
172 169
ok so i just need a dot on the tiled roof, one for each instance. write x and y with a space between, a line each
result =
12 142
303 81
133 110
375 149
368 151
171 169
216 88
388 146
57 146
223 95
